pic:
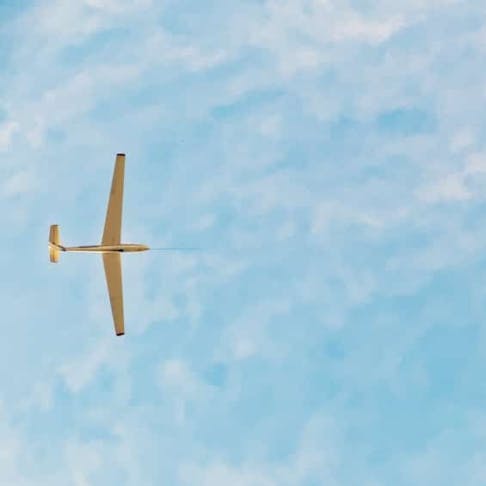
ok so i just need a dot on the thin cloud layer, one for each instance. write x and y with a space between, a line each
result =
328 159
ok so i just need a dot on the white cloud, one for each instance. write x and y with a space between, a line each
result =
462 140
7 131
41 397
60 21
62 95
82 460
450 188
459 185
12 449
476 164
119 5
303 35
205 222
316 460
82 370
328 213
310 40
356 28
180 385
80 373
451 456
220 474
248 335
20 183
176 375
270 126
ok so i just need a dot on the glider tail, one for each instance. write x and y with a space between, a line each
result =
54 243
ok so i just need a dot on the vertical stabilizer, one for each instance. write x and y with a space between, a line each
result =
54 243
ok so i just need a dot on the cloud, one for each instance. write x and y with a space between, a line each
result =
68 95
82 370
7 131
450 188
327 160
327 213
20 183
458 186
82 461
248 336
177 376
119 6
11 449
183 388
442 461
316 459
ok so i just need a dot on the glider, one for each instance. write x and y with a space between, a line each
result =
111 247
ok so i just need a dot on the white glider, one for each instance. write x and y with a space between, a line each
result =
111 246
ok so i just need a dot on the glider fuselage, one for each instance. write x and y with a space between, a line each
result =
121 248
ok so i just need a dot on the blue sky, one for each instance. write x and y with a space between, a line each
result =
329 157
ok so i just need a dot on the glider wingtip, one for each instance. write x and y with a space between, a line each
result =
120 154
120 333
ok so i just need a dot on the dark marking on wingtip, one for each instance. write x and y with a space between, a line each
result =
120 333
120 154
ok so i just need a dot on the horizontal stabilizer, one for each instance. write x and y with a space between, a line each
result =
54 243
53 254
54 234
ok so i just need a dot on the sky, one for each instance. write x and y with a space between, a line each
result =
329 159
